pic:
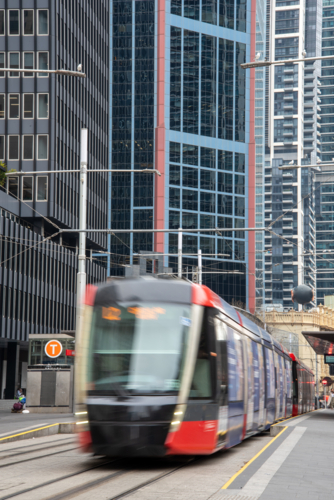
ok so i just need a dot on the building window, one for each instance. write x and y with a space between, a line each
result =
239 206
43 22
14 25
240 162
28 105
13 147
208 202
43 106
174 198
42 188
175 152
43 62
190 177
239 184
28 22
27 188
42 147
13 186
2 106
189 200
174 174
14 62
2 63
28 62
2 147
2 22
28 147
14 105
239 250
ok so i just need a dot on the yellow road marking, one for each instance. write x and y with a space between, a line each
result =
28 432
226 485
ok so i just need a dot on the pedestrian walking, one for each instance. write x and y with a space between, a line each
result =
332 398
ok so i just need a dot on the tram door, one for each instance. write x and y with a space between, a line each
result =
250 384
280 387
288 372
256 374
262 389
270 386
235 387
222 376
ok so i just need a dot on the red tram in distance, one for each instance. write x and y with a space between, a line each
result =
167 367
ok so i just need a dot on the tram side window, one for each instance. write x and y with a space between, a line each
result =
201 386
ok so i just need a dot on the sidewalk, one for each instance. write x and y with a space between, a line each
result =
296 464
14 423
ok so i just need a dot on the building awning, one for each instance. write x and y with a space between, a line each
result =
321 342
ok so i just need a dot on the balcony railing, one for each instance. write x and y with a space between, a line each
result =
324 318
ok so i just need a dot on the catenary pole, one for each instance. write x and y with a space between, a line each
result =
81 277
179 251
200 266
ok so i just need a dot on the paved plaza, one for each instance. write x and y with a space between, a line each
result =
296 463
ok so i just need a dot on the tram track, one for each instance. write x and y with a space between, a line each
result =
124 468
58 479
98 482
37 458
148 482
31 450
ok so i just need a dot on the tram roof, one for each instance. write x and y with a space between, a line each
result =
143 289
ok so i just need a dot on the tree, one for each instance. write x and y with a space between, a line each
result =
3 171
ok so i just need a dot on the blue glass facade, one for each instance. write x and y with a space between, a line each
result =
206 124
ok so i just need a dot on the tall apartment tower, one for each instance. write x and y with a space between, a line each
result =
292 136
260 129
324 192
41 116
180 103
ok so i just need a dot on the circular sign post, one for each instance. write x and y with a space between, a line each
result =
53 349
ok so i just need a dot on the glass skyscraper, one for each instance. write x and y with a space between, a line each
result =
180 103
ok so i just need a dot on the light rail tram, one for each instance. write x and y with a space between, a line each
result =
167 367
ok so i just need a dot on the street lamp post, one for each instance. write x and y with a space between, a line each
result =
262 64
317 166
63 72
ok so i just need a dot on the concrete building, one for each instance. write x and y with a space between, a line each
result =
40 121
288 328
180 103
292 136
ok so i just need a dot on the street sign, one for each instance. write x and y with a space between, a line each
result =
69 352
327 381
53 349
329 359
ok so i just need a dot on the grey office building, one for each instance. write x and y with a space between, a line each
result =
41 117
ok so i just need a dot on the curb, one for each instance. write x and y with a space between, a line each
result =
276 429
48 430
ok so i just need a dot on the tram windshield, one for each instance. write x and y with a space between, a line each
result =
138 348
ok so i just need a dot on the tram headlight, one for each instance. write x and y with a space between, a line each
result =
82 426
177 418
